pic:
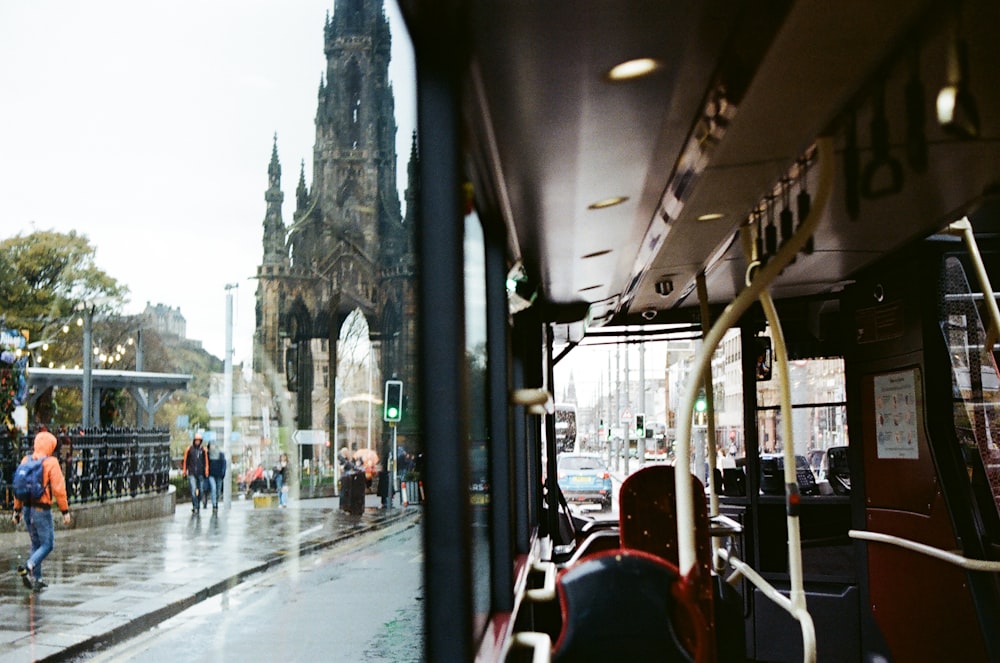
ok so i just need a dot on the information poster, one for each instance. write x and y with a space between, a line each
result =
896 415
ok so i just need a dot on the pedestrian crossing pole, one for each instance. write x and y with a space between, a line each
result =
392 414
392 484
227 381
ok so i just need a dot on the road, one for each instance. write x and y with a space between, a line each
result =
359 601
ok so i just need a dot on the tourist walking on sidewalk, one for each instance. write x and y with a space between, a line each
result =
281 480
195 468
37 513
216 475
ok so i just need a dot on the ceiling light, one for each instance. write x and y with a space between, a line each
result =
608 202
633 69
711 216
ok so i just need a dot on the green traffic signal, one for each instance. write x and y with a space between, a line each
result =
393 411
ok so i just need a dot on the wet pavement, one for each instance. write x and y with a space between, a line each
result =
109 583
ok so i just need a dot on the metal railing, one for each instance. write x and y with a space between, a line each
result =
99 464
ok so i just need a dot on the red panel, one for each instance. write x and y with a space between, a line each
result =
922 606
648 522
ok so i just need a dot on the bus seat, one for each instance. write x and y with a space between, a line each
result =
620 606
648 522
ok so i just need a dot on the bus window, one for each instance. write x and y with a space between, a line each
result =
476 372
819 424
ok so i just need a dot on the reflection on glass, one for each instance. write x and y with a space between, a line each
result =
975 377
478 433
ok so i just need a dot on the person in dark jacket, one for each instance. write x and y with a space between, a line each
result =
281 480
216 475
195 468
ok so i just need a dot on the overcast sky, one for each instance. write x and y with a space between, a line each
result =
148 126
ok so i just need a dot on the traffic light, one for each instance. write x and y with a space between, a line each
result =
701 404
393 401
640 425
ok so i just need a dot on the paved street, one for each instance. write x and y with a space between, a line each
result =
361 600
112 582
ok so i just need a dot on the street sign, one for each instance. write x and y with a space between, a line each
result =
626 415
309 437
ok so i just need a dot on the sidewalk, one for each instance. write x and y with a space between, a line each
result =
108 583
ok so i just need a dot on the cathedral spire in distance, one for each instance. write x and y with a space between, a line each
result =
274 225
301 192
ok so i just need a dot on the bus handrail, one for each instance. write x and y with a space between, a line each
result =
547 592
800 614
538 401
924 549
729 317
540 645
963 228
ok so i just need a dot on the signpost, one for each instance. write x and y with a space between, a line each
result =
304 436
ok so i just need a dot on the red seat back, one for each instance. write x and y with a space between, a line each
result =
648 522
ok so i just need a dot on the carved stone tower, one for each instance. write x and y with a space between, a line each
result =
348 247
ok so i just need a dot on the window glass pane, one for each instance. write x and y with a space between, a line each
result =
478 433
819 427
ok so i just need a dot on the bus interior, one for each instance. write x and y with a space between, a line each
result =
815 183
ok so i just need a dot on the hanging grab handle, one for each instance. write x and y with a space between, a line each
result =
881 159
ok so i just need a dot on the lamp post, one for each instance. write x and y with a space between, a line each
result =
88 307
88 362
227 381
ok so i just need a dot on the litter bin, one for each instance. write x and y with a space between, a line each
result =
352 493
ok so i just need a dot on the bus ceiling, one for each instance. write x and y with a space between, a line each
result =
616 193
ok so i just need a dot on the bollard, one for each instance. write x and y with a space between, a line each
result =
404 495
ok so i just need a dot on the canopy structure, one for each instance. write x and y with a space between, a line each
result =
143 386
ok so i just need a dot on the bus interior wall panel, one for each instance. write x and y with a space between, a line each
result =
501 455
834 611
911 478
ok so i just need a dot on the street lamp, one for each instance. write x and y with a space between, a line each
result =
88 307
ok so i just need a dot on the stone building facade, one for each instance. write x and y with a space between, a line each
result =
348 247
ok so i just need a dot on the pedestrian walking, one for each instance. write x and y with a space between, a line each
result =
37 512
281 480
195 468
345 460
216 474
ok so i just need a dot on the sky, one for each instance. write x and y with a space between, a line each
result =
148 127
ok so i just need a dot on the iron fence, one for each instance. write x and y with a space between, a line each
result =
99 464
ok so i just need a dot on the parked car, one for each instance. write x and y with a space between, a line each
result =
585 479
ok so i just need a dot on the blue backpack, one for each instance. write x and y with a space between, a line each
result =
28 477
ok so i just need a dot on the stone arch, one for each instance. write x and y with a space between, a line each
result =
358 377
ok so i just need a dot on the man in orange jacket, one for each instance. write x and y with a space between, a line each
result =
38 515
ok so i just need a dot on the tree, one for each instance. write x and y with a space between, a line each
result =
44 274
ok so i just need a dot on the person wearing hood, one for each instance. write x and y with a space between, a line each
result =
37 516
195 468
216 476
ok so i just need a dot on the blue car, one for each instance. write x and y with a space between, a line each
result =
585 480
